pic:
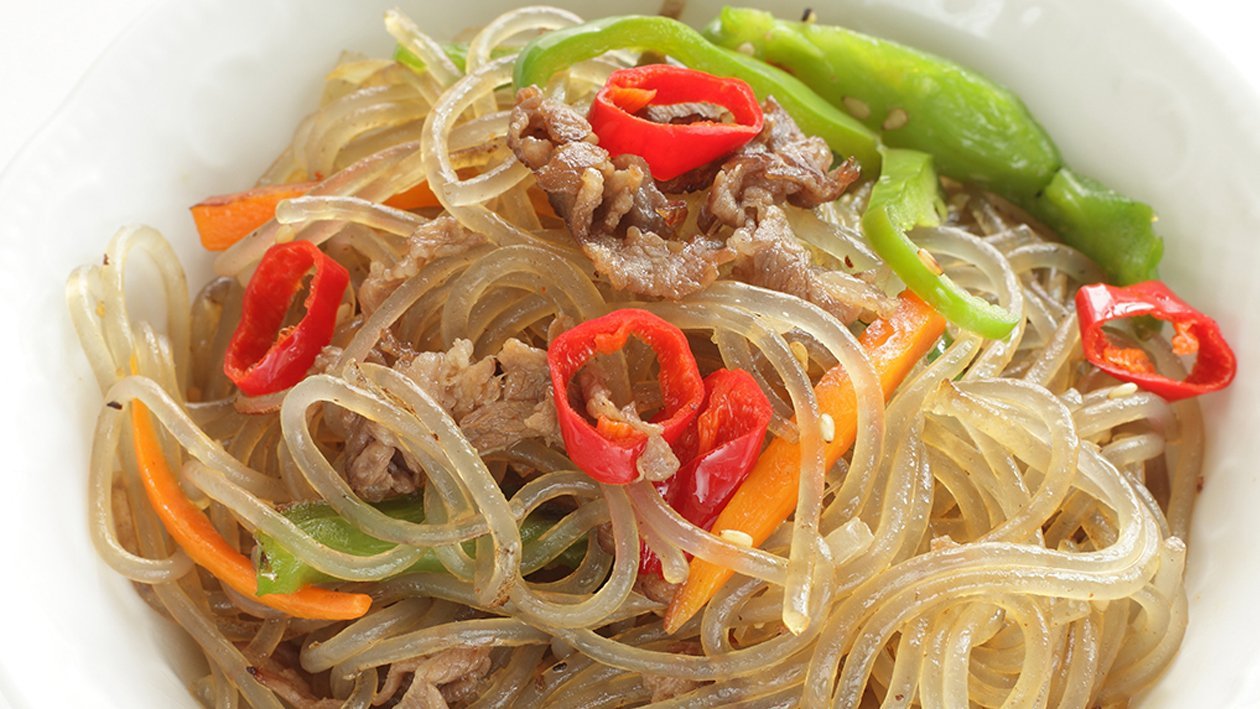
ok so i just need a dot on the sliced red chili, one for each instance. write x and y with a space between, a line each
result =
671 149
609 451
716 451
261 357
720 449
1194 332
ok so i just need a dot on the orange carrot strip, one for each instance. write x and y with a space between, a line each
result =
421 197
226 219
768 497
193 531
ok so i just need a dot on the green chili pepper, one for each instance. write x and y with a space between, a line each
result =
280 571
906 196
1113 230
976 130
558 50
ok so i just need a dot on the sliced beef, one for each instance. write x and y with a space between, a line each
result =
690 112
627 226
438 679
440 237
497 401
613 208
780 165
770 256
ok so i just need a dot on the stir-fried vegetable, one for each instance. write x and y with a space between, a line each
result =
281 571
904 197
768 497
671 149
610 450
195 534
1194 334
558 50
261 357
223 220
1113 230
717 451
976 130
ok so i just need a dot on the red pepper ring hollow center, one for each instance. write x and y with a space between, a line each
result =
261 358
672 149
609 453
1099 303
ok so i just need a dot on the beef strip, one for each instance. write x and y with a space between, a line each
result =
440 237
657 461
289 684
437 679
611 206
770 256
689 112
627 226
496 401
780 165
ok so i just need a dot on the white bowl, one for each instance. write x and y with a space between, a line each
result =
199 96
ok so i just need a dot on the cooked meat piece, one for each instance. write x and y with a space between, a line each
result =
621 218
288 684
374 466
655 588
455 382
689 112
518 414
657 461
646 264
610 205
441 237
770 256
432 674
496 401
780 164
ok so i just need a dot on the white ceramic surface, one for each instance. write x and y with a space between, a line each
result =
197 97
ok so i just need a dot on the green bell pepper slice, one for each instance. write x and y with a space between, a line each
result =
907 196
280 571
1113 230
976 130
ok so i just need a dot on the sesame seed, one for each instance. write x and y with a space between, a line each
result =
1123 390
799 352
747 48
857 108
897 118
734 536
827 426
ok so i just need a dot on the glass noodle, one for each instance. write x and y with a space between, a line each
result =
1009 528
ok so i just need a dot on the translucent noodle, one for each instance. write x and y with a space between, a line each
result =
1009 527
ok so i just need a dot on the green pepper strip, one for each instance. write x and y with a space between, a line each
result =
558 50
280 571
976 130
1113 230
906 196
